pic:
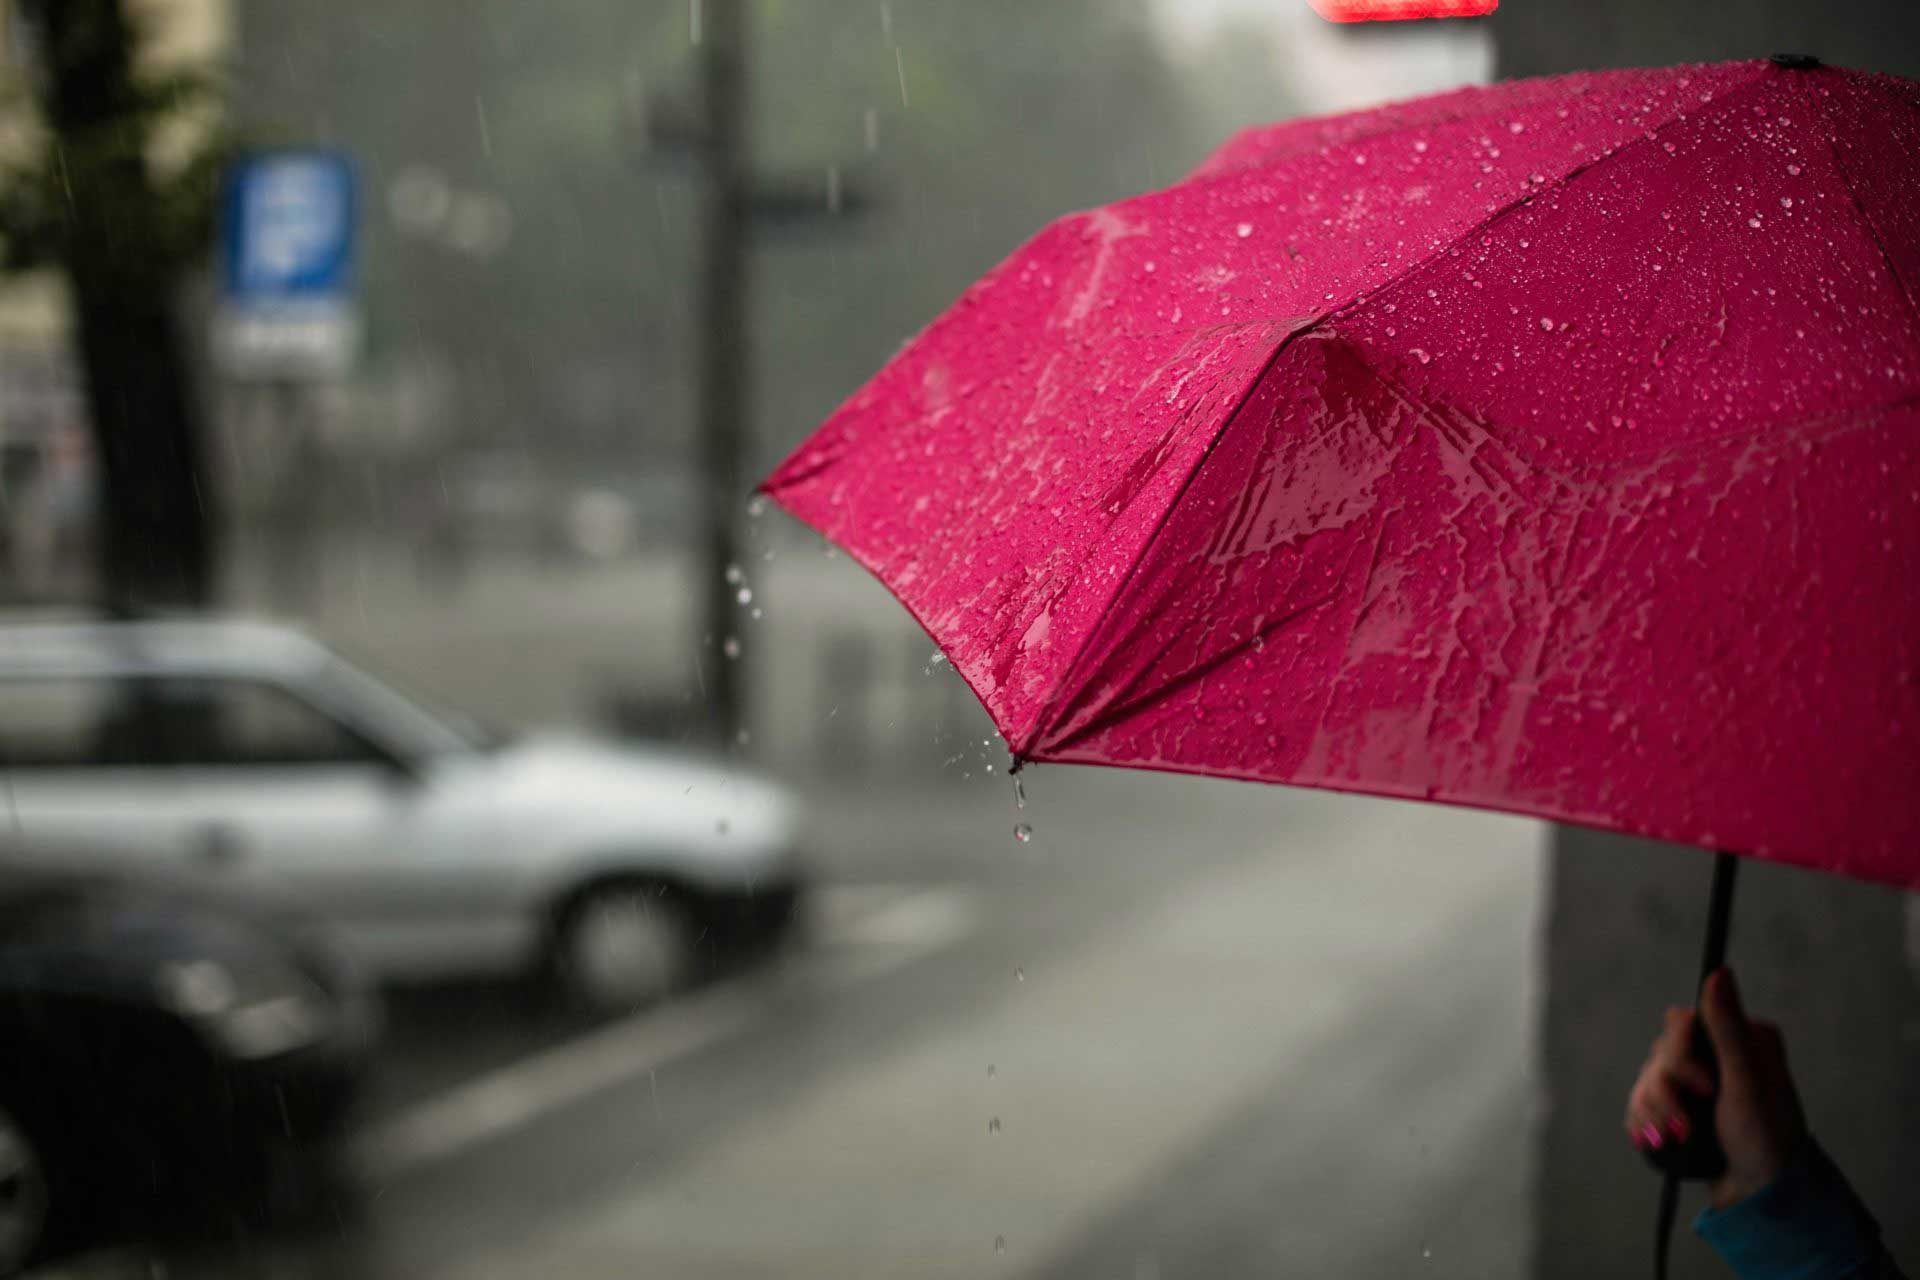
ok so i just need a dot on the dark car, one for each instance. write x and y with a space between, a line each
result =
162 1054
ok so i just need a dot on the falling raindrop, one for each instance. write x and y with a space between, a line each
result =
992 1071
1019 792
1019 975
1426 1253
735 575
757 614
993 1125
1023 832
757 507
731 648
744 595
999 1244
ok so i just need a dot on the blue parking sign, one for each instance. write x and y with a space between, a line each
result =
289 225
287 243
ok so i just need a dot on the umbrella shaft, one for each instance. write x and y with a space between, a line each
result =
1719 914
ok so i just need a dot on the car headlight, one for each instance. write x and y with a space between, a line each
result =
253 1013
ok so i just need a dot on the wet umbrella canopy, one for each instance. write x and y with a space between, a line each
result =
1551 448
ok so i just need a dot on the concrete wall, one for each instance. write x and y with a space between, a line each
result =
1830 961
1826 958
1541 37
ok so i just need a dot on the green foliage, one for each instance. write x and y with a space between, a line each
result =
85 190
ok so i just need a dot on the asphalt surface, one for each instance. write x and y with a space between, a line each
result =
1190 1029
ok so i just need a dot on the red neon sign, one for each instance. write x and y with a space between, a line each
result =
1400 10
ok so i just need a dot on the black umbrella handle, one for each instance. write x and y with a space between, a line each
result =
1700 1158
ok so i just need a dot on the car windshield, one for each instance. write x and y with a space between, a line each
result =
414 725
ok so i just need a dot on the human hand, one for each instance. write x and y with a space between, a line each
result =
1756 1111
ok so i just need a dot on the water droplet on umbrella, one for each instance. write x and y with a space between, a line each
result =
1786 202
1754 222
1546 324
1794 170
1023 832
1244 230
1420 355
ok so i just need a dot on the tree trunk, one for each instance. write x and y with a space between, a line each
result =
156 519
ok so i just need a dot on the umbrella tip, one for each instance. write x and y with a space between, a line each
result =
1795 61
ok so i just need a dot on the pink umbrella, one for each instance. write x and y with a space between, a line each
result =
1552 448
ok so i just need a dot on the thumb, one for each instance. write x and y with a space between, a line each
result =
1726 1019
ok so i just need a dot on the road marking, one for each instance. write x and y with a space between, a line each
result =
862 932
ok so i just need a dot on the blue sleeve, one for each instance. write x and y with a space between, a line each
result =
1805 1225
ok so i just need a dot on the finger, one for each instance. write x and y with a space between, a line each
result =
1656 1107
1675 1044
1726 1019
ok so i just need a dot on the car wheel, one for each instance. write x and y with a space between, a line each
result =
621 946
26 1200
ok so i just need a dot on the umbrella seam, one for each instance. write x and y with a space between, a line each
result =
1204 173
1413 270
1071 672
1866 219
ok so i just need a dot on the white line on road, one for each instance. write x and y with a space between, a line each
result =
892 933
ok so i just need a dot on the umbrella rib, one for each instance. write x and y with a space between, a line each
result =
1069 679
1413 269
1866 219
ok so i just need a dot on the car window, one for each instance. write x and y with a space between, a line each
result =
195 721
54 722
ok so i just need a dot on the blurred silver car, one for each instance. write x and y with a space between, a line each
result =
249 752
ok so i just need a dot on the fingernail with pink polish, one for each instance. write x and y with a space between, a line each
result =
1677 1127
1652 1135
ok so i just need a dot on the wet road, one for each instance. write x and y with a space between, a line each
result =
1190 1029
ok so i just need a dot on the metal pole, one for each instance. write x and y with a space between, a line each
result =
723 355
